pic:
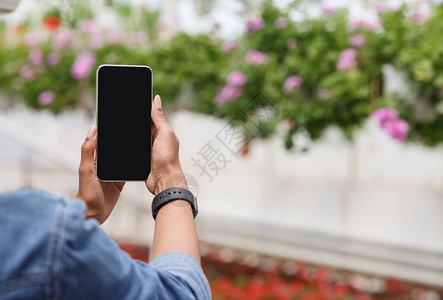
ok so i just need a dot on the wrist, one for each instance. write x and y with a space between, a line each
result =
176 207
161 187
89 213
174 178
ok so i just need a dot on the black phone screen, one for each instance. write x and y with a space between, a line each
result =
124 95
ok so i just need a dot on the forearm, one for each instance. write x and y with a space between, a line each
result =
175 230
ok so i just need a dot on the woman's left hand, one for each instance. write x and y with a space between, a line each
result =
100 197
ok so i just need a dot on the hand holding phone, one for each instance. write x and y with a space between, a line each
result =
166 171
100 197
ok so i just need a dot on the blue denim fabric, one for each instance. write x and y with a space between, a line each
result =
48 251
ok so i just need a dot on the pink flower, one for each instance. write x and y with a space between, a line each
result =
398 129
347 60
228 46
254 25
385 115
36 57
137 38
52 59
328 9
46 98
357 40
281 23
373 25
381 8
161 24
369 25
33 39
389 121
419 16
357 24
89 27
27 73
96 41
61 38
292 82
216 25
236 78
115 36
256 58
227 94
83 65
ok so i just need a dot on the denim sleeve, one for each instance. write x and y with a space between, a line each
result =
187 268
92 266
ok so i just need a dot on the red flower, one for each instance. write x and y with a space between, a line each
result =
309 297
221 286
363 296
244 151
296 287
235 292
136 252
323 274
280 288
291 122
395 286
257 289
341 290
51 23
325 291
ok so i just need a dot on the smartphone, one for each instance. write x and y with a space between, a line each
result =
124 97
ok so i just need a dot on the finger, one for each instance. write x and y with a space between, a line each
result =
88 148
157 115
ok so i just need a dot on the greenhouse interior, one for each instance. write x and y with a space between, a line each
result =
310 132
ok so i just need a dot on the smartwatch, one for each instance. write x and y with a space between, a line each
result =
172 194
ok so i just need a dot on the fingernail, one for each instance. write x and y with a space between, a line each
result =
158 102
91 132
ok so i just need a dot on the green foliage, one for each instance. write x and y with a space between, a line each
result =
191 70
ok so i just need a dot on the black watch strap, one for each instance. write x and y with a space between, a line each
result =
171 194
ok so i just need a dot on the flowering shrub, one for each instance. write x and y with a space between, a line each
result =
389 121
235 274
317 72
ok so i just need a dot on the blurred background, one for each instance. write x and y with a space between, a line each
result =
310 131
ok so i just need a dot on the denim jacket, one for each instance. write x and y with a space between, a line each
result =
49 251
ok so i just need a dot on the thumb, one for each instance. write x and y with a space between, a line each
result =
157 114
88 148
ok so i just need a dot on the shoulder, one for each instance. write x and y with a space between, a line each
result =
31 205
34 216
32 222
31 197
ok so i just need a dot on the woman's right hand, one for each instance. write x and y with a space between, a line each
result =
166 171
